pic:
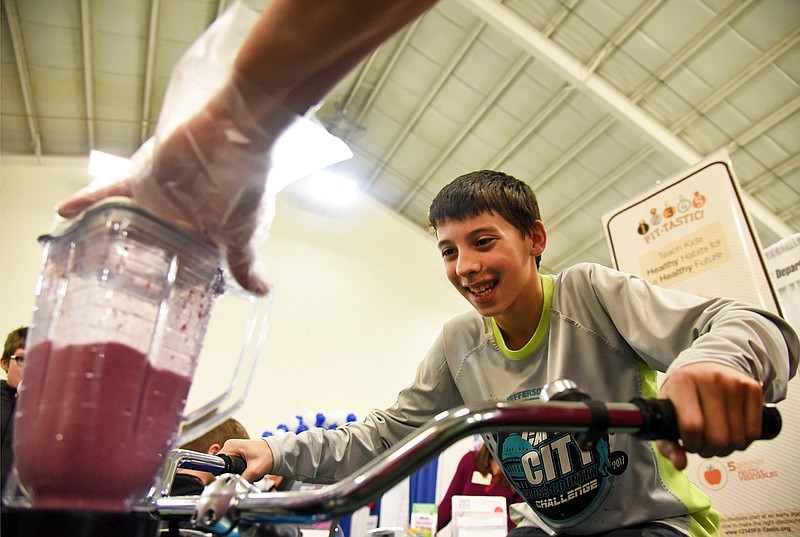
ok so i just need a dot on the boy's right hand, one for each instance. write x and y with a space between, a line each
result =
718 409
256 453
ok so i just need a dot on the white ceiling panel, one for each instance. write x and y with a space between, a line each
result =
589 101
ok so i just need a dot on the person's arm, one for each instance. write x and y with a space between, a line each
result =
740 359
209 174
718 408
722 358
299 49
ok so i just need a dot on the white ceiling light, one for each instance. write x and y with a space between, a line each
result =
331 188
105 166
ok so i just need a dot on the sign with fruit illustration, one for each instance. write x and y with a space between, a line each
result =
692 233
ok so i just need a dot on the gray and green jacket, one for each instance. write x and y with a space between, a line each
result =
609 332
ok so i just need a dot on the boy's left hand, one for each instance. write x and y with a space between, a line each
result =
718 409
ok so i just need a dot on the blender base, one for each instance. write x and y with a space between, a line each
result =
77 523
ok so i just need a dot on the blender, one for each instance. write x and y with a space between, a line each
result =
122 308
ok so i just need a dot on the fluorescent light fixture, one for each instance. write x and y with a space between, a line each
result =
108 167
331 188
300 151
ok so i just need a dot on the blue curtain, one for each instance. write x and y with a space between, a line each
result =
422 485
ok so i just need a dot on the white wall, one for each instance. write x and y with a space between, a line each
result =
360 296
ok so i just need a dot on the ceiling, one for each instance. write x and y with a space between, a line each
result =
590 101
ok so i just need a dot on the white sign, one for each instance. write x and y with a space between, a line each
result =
479 516
691 233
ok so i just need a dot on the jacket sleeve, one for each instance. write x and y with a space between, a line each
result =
670 329
327 456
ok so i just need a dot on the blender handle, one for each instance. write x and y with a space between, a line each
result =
193 460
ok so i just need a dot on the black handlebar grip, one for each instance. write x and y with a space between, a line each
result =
233 465
659 420
771 422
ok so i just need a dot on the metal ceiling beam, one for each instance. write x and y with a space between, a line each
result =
601 127
573 71
88 69
550 108
147 89
575 254
341 124
387 71
20 57
622 34
681 56
520 63
781 169
490 99
741 78
759 129
609 180
344 106
444 75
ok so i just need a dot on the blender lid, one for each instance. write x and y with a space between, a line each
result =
119 208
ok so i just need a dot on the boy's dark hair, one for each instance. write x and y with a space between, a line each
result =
487 191
15 340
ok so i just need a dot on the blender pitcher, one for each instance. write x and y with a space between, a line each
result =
122 308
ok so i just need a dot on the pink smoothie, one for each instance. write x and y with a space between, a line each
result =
93 425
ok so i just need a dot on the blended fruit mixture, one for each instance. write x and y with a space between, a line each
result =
93 425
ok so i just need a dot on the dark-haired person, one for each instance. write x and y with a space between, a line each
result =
12 360
608 331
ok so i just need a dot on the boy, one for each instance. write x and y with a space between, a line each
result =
610 332
13 357
188 482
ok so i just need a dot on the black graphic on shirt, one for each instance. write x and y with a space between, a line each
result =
562 483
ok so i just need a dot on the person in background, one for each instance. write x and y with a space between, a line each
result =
191 482
609 332
477 474
12 360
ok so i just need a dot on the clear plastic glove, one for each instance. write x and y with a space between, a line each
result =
223 149
209 176
217 174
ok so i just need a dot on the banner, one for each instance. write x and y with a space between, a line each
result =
692 233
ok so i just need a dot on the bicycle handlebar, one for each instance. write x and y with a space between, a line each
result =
233 465
659 421
647 418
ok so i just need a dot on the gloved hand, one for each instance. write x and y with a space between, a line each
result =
208 175
216 174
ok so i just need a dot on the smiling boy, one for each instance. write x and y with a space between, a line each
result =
608 331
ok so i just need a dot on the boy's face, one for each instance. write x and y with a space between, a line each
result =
492 266
13 368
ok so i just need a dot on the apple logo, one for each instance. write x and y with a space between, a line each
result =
712 474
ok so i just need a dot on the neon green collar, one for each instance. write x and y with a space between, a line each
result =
541 330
